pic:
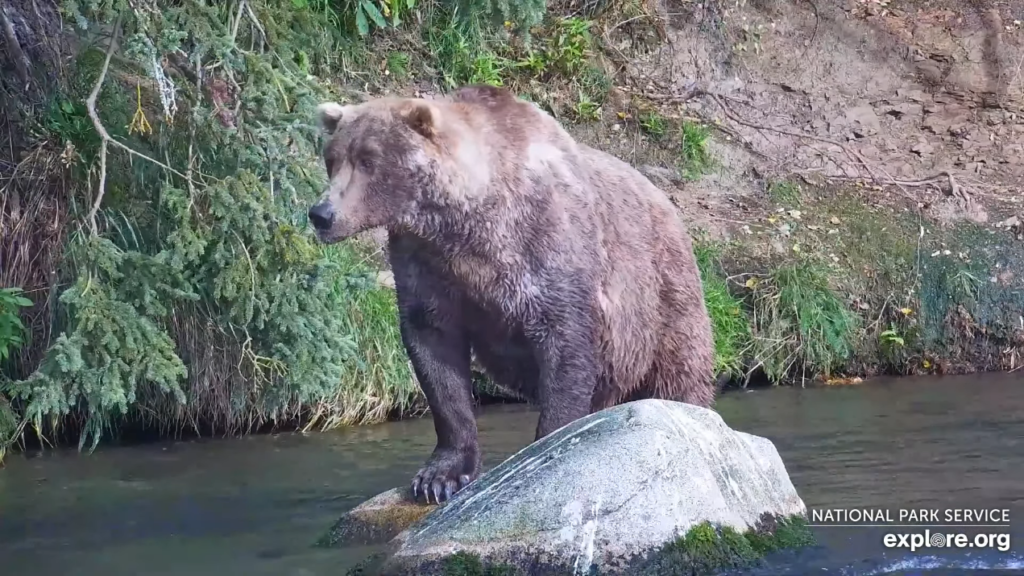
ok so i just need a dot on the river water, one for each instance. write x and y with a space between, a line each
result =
253 506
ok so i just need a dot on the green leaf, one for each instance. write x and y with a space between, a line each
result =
20 301
375 14
361 24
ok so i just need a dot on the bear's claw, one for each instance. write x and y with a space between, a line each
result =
440 477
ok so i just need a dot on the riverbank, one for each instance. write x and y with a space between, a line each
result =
850 172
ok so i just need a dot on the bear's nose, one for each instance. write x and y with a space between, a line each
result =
321 215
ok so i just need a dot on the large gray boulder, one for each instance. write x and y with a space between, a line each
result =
605 491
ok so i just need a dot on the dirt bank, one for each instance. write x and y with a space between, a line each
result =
885 142
903 96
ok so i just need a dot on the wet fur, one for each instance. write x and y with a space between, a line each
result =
563 269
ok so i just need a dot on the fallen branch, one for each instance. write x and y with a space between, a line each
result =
256 23
90 105
106 139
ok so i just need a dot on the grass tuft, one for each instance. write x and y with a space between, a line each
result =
379 380
784 193
729 322
695 157
800 323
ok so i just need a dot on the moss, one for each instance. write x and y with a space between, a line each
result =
466 564
370 565
706 548
773 534
463 564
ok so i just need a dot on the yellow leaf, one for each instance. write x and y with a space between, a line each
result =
926 364
771 219
751 282
906 311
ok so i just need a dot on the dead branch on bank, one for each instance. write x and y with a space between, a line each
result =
105 137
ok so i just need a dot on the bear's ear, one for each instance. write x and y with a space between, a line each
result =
424 118
329 114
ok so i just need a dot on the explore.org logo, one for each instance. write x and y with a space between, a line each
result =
969 528
928 539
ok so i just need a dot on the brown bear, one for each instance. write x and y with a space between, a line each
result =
566 272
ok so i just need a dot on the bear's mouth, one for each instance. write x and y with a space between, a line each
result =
329 236
336 233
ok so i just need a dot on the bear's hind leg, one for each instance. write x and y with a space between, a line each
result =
683 367
431 324
565 343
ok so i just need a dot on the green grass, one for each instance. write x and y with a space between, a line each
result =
784 193
557 65
587 110
729 322
800 323
653 124
380 381
398 65
695 157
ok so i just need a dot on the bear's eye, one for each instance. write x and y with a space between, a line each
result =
365 162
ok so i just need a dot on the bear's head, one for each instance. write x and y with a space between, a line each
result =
382 159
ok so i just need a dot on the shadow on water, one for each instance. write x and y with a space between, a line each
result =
253 506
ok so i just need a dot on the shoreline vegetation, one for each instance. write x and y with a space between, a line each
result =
158 276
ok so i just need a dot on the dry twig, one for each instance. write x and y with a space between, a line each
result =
90 105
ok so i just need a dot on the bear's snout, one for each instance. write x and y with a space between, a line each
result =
322 216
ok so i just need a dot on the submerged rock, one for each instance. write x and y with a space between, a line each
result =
377 520
619 489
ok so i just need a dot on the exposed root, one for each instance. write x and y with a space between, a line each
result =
21 63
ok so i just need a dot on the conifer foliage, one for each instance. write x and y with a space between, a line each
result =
193 294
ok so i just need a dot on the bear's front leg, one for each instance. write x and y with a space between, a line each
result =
430 320
566 347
